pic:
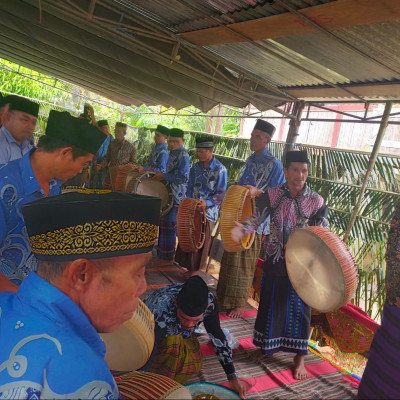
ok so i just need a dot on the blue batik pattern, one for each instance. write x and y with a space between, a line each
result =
158 158
49 349
208 184
18 186
263 171
162 304
177 174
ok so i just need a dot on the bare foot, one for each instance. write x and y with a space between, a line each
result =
299 370
236 312
159 262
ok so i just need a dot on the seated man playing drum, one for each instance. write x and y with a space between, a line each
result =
207 182
92 251
283 319
178 310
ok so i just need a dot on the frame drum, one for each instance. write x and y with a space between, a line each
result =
131 181
152 187
190 225
129 347
146 385
321 268
236 207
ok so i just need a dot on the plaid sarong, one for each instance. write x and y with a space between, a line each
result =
167 235
178 358
236 276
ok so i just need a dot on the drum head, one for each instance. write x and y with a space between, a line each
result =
129 347
152 187
314 271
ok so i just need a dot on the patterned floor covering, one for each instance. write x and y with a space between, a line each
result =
269 377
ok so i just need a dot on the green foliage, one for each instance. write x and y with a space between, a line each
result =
337 175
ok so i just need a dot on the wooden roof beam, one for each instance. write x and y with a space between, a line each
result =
333 15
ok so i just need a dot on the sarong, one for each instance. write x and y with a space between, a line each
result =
236 276
196 260
178 358
381 378
167 235
283 319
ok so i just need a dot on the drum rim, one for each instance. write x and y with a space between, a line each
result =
310 231
232 246
190 247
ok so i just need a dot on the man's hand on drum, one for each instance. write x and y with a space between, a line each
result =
237 232
140 169
238 386
158 175
202 205
253 191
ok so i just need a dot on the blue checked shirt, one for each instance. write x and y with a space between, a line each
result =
18 186
9 149
158 158
178 173
206 184
263 171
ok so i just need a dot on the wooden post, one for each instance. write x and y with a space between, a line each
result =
371 163
294 125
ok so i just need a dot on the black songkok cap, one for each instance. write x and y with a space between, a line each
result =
18 103
102 122
73 225
192 300
265 127
162 129
297 156
204 142
120 125
74 131
176 132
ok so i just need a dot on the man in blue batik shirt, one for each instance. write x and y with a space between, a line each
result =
263 171
19 122
207 182
99 170
178 310
88 282
159 156
67 147
177 176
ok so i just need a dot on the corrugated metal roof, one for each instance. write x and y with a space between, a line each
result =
145 51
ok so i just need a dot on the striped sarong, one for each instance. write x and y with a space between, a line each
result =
283 319
236 276
381 378
167 235
178 358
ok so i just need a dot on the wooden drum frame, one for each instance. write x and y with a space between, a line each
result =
191 223
147 385
321 268
129 347
237 206
129 180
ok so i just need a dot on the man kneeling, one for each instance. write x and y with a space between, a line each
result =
92 251
178 310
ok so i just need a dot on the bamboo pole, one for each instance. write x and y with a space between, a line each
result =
293 129
371 163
